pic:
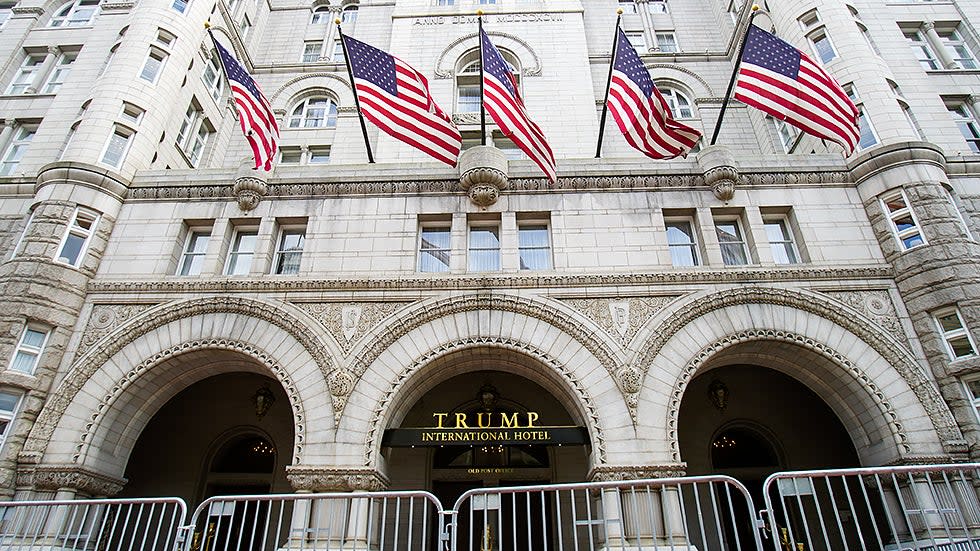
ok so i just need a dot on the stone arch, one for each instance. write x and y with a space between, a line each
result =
686 78
330 84
161 332
394 403
446 62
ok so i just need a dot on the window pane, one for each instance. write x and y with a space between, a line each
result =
961 347
679 233
193 264
24 362
484 249
8 402
535 247
198 242
533 236
72 248
950 322
483 238
435 238
33 338
824 49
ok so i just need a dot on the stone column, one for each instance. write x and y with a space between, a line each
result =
334 521
44 70
932 37
641 514
6 133
973 99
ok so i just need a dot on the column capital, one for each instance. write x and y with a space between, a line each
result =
69 478
54 50
316 478
609 473
928 26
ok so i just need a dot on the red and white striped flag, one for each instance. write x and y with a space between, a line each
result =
503 101
254 112
785 83
396 98
641 112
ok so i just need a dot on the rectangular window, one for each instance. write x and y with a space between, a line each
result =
682 242
822 46
957 48
868 136
312 51
117 146
290 155
244 28
973 392
534 245
732 242
787 134
77 237
16 149
60 73
179 6
902 220
194 133
29 350
922 51
8 409
469 99
638 40
338 52
153 65
781 241
212 79
25 76
967 123
131 113
195 249
484 248
319 155
959 343
289 250
657 6
22 236
434 251
242 252
667 43
628 6
445 2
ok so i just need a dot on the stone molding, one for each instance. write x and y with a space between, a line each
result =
122 385
446 61
53 478
379 419
638 310
91 176
796 272
36 11
819 305
614 473
249 191
103 320
86 366
314 478
347 322
876 305
889 156
708 352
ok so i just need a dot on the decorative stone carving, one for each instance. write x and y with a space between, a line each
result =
620 317
348 322
482 174
52 478
613 473
877 306
249 190
104 319
379 419
720 172
314 478
349 316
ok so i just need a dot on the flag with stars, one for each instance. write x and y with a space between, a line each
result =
502 100
396 98
641 112
785 83
257 120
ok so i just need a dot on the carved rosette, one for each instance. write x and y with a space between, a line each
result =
720 172
483 174
53 478
311 478
877 306
106 318
612 473
249 190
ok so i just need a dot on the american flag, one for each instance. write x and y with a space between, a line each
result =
503 101
785 83
254 112
641 112
396 98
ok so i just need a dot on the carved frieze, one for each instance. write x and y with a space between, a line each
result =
315 478
612 473
621 317
104 319
69 477
877 305
347 322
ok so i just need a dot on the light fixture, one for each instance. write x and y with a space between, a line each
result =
718 394
263 400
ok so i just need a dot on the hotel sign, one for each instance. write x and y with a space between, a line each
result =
461 429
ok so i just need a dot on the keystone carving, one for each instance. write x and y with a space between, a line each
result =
483 174
310 478
249 190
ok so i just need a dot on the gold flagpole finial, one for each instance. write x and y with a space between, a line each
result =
479 13
337 21
755 7
619 11
207 24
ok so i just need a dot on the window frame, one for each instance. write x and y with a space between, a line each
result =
890 216
65 15
742 242
693 245
215 85
278 259
26 349
422 251
234 252
974 398
12 156
788 243
475 226
306 56
958 49
925 55
671 95
9 416
194 134
954 334
26 74
117 130
158 54
320 15
301 121
535 224
188 256
673 38
78 231
966 121
60 71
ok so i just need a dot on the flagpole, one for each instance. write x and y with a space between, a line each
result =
483 110
357 102
731 83
605 102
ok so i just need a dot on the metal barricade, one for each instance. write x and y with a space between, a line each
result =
92 524
376 521
925 508
691 513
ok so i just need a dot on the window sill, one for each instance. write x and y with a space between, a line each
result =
18 379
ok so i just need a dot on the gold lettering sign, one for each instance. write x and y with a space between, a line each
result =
486 420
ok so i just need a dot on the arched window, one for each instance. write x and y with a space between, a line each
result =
321 15
679 104
349 13
468 79
314 112
75 14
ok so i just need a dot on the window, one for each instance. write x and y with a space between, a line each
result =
638 40
787 134
25 76
60 73
290 155
314 112
212 79
967 123
117 146
153 65
732 242
321 15
973 392
903 222
484 250
488 1
6 10
667 43
445 2
682 243
628 6
22 236
338 52
192 260
242 252
822 45
780 241
29 349
507 146
77 237
319 155
75 14
957 48
534 245
868 136
959 343
289 250
863 29
680 106
922 51
8 409
468 79
903 104
434 251
179 6
312 51
131 113
657 6
244 27
349 14
15 151
194 133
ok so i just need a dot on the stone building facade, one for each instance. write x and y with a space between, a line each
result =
761 305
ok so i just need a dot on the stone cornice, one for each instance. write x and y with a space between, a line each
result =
73 477
892 155
84 174
315 478
469 282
